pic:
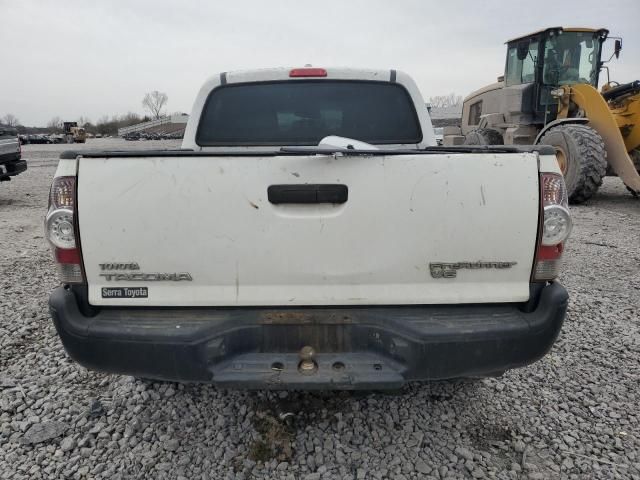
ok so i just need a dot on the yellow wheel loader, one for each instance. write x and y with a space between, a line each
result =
73 133
549 95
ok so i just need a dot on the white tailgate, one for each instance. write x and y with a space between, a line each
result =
210 217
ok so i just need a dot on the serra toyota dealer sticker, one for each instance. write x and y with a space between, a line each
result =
125 292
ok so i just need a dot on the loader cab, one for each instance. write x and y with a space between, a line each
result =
541 62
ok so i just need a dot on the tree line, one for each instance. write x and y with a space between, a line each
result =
446 101
153 102
105 125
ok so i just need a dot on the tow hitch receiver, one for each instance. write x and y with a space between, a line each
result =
309 370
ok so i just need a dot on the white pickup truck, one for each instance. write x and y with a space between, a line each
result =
309 234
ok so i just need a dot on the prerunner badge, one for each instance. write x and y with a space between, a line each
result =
125 292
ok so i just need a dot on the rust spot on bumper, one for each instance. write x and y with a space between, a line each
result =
293 317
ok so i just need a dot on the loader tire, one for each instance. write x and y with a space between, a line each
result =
484 136
581 156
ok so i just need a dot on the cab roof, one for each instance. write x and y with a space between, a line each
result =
564 29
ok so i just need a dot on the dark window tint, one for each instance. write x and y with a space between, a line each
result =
475 111
303 112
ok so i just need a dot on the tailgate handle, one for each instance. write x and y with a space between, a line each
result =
307 193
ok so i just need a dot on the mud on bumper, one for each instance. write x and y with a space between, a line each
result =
357 348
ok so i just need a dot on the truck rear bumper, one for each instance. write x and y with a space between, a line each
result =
12 168
357 347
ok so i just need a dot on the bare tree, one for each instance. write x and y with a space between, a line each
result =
55 123
130 118
82 121
10 119
446 101
154 102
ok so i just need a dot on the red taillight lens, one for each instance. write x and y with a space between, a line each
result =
555 228
553 252
71 255
308 72
60 229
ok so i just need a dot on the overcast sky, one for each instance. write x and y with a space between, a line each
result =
76 57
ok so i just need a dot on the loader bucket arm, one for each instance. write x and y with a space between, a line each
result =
603 121
626 111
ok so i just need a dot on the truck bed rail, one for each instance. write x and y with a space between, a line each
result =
540 149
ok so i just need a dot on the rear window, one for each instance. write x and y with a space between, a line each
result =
304 112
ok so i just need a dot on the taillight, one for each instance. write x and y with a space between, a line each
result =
308 72
60 229
555 229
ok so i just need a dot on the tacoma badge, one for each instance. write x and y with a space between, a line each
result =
121 275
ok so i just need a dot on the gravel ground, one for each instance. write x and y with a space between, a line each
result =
574 414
